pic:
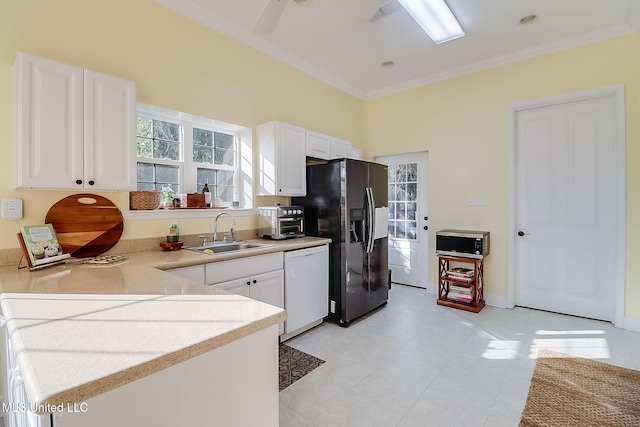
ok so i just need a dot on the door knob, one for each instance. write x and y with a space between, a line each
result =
522 233
425 227
426 218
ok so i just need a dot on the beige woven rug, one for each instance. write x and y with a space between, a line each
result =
572 391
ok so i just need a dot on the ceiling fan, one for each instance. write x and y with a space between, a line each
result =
371 10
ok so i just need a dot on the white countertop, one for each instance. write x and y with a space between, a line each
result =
73 347
79 330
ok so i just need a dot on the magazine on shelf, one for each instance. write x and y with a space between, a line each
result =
460 272
41 245
460 289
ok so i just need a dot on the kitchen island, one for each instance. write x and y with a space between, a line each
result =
129 344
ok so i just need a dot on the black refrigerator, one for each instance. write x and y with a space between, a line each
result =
347 202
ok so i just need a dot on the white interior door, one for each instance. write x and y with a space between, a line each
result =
408 235
566 208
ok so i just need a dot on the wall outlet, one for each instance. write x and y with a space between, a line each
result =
476 201
11 208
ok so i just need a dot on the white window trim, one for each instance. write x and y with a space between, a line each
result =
243 178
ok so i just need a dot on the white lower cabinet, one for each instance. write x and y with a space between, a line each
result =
265 287
258 277
213 388
15 403
195 273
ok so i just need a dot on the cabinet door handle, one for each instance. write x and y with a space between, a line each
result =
255 281
79 181
426 227
91 182
248 283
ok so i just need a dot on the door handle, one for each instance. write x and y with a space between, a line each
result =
522 233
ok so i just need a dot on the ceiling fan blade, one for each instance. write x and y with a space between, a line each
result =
269 16
387 8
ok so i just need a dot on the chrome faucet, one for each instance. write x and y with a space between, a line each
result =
231 233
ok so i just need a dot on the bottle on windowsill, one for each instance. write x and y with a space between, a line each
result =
207 195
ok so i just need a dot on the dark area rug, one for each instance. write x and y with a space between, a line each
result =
295 364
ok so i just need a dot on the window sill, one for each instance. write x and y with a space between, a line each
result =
185 213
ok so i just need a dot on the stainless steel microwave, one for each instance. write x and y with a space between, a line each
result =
463 243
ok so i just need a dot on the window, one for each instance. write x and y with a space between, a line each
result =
403 206
186 152
158 148
215 154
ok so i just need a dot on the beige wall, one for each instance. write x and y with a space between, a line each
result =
179 64
176 63
462 122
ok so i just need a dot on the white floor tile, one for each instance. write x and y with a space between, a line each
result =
413 363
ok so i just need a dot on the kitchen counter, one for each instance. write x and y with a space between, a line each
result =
79 330
139 274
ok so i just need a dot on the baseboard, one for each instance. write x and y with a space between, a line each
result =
631 324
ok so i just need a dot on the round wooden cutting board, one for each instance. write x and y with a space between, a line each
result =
86 224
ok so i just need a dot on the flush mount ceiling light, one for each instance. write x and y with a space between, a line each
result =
435 18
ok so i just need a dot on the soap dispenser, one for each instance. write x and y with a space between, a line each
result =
174 231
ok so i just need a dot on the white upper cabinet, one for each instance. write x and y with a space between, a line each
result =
318 145
327 147
282 160
76 127
340 148
109 132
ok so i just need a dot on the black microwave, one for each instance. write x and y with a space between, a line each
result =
463 243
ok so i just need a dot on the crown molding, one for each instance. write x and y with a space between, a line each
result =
205 17
618 31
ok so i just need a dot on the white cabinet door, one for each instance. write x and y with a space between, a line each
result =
340 148
237 286
109 132
318 145
292 169
265 287
76 128
49 143
268 288
282 159
195 273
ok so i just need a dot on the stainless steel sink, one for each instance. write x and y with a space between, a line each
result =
218 248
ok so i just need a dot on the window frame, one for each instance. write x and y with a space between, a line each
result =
187 166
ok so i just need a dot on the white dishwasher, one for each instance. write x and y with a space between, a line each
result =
306 289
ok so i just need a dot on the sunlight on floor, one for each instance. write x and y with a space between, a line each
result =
581 343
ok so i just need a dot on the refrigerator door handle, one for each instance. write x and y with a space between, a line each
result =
370 219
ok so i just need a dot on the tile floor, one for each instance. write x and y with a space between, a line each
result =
413 363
